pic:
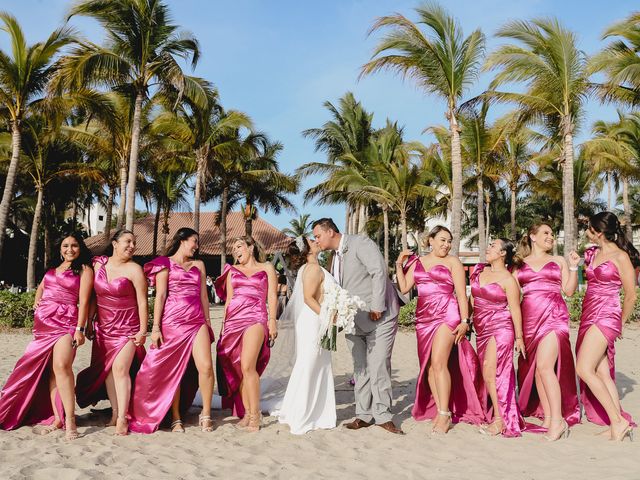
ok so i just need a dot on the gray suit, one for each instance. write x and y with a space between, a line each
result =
364 273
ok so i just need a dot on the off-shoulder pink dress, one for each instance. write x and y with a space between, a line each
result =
247 307
117 320
601 308
545 312
437 306
170 366
492 319
24 399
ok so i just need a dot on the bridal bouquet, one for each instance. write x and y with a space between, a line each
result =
337 313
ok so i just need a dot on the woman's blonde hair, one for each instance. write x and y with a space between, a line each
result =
524 245
258 252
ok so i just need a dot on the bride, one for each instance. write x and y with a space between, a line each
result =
309 401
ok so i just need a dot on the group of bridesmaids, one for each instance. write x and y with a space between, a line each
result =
517 302
105 299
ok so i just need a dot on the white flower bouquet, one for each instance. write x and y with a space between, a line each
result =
337 313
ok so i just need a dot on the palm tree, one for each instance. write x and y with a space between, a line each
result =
140 52
554 71
443 62
300 227
23 77
620 61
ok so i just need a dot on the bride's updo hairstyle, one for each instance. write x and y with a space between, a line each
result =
298 256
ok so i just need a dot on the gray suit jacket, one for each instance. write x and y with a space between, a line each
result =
364 274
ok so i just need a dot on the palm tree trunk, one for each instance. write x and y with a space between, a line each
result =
356 218
487 209
156 225
362 218
385 221
223 227
248 226
456 180
7 194
133 162
165 229
627 209
403 228
33 242
568 193
513 214
47 241
123 195
197 196
610 193
74 215
347 219
107 227
482 239
88 220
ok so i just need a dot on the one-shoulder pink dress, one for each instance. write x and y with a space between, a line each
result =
437 306
24 399
247 307
601 308
170 366
492 319
117 320
544 311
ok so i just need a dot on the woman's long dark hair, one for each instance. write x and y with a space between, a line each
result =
184 233
116 236
297 257
510 249
84 259
608 224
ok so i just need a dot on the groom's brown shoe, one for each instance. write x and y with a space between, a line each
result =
357 424
390 427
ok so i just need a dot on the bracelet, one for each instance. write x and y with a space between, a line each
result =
80 329
573 269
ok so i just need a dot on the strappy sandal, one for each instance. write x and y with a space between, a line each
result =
492 429
126 430
444 413
255 422
46 429
206 424
564 433
71 435
177 426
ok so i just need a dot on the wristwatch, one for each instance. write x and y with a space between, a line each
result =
466 320
80 329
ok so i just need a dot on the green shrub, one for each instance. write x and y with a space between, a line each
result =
16 309
407 316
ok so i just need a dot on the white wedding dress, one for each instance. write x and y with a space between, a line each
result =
309 401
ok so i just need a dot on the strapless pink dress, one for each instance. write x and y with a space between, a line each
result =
171 366
24 399
247 307
492 319
601 307
438 305
544 311
116 321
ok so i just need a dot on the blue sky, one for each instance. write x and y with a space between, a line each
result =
279 60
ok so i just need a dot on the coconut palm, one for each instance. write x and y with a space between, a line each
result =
140 52
441 61
554 71
300 227
23 77
620 61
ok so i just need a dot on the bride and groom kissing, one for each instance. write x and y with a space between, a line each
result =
357 266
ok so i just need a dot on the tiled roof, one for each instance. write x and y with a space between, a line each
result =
269 237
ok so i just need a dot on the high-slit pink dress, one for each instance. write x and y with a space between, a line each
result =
601 308
117 320
170 366
24 399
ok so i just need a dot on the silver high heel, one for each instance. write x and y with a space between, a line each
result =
444 413
564 433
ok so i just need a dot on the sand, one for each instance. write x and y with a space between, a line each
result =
340 453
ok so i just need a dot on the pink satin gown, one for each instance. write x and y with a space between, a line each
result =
247 307
544 311
24 399
170 366
601 308
437 306
492 319
117 320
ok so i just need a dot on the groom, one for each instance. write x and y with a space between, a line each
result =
358 266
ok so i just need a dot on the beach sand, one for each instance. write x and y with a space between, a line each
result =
364 454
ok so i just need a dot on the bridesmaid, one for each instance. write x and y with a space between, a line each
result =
243 348
179 360
442 320
43 377
610 265
497 320
120 330
546 378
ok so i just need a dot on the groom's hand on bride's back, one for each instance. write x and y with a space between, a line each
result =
375 316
